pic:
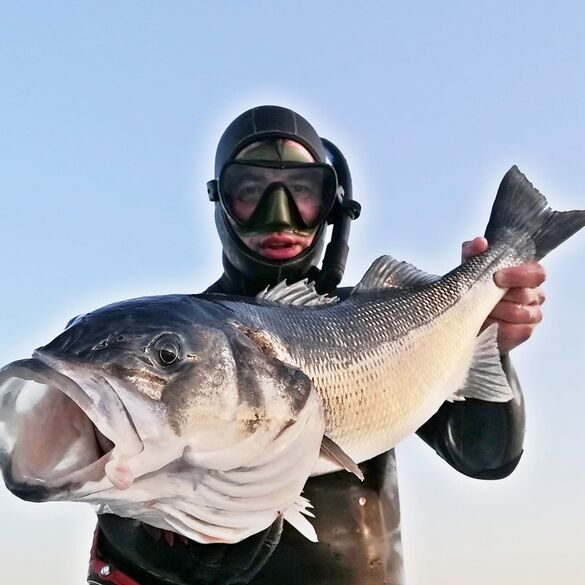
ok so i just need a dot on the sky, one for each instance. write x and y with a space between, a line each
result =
109 117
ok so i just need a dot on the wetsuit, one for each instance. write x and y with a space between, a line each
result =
358 524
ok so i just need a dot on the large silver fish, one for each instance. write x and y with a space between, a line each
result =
206 414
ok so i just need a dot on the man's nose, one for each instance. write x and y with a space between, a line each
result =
278 209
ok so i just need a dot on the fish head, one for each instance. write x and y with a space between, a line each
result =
152 383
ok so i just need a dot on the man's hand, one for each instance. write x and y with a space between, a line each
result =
518 313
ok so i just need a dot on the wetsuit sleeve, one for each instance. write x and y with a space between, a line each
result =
480 439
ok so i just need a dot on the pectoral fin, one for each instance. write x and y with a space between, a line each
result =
333 452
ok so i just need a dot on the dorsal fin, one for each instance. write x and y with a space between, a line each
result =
300 293
387 272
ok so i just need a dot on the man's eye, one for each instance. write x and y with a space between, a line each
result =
248 192
302 189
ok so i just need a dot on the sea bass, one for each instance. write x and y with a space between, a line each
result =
206 414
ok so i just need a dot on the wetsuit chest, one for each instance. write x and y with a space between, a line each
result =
358 525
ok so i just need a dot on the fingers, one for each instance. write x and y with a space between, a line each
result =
511 335
473 248
525 296
519 311
516 313
527 275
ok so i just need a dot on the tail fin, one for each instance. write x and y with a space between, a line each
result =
520 206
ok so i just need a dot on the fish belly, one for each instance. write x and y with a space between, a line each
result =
387 394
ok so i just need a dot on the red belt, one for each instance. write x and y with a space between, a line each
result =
103 573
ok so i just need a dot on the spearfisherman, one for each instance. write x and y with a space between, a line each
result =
277 186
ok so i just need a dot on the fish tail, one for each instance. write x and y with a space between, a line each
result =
521 208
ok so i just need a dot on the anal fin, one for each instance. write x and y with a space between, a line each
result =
486 379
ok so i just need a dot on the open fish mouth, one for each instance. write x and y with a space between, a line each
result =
49 445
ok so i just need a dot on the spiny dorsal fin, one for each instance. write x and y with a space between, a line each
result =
300 293
387 272
486 379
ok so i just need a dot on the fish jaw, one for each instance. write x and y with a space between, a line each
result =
66 431
47 441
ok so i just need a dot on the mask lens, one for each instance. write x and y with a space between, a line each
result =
243 187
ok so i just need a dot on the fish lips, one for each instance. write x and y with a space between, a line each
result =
56 434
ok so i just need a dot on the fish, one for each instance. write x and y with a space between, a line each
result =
206 414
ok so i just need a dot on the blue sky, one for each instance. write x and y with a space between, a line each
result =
109 117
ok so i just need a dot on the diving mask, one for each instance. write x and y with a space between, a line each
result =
266 195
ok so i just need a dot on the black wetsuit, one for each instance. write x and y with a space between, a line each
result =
358 523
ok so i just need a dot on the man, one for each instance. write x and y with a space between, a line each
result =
277 185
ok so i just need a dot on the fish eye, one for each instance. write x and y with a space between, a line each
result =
166 349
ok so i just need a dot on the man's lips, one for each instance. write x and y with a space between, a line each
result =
281 247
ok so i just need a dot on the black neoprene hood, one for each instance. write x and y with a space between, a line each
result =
266 122
261 123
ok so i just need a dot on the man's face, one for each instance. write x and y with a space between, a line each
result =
286 242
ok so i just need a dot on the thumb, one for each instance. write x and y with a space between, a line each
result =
473 247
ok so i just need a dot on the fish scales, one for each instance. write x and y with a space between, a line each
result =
359 370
